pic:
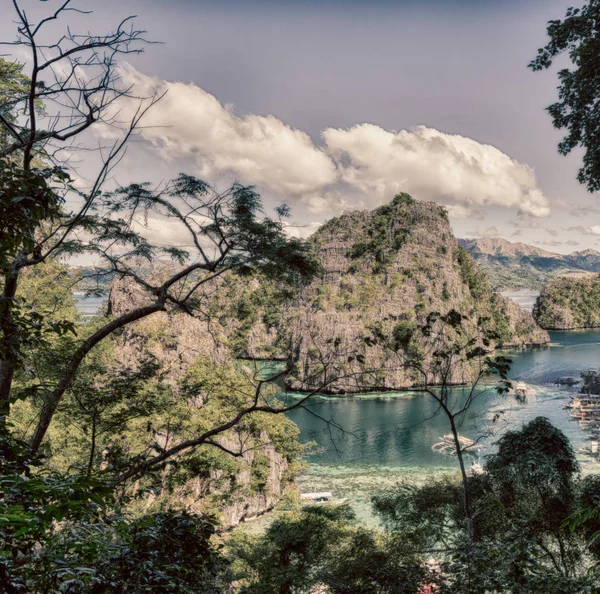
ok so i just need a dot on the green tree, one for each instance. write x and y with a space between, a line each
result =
226 231
521 501
321 545
578 36
449 350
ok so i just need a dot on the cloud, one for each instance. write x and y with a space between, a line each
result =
517 233
484 232
432 165
572 242
579 210
301 231
551 243
594 230
358 167
261 150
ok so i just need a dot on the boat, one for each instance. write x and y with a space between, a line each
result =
477 468
566 380
320 498
590 450
522 391
448 446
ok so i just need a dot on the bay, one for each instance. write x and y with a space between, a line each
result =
388 437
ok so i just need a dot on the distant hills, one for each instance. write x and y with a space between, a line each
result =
516 265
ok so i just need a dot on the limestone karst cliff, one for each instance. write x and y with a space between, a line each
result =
239 488
397 262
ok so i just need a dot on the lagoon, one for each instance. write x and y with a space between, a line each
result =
387 437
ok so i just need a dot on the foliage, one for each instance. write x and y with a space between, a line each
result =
161 552
385 233
566 303
576 111
473 278
529 488
321 545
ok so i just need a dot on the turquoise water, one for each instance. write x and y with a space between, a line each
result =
387 437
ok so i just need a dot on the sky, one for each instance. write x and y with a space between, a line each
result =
333 105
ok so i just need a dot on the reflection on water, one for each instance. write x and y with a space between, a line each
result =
389 436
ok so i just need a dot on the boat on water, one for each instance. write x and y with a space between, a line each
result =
321 498
590 449
477 468
567 380
521 391
447 445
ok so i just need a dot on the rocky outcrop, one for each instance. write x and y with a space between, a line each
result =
237 497
394 265
235 488
567 305
173 338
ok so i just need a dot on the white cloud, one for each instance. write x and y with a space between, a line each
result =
432 165
594 230
301 231
260 150
359 167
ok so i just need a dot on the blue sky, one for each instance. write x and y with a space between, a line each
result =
350 101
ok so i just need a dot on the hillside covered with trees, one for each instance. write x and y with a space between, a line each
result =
516 265
568 304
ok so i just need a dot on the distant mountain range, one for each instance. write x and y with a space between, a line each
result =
516 265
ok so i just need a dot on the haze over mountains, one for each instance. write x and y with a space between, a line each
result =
517 265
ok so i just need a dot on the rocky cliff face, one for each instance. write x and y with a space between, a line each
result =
397 263
240 488
518 265
566 305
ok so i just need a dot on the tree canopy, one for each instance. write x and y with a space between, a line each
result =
576 112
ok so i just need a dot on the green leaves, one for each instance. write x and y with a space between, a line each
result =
578 35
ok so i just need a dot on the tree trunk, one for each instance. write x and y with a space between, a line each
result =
52 402
9 341
465 482
92 449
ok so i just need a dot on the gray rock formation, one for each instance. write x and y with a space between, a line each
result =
397 263
177 340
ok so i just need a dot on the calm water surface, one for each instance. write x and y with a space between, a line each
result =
389 436
524 297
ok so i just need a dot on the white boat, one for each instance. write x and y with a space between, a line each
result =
320 497
522 391
590 450
477 468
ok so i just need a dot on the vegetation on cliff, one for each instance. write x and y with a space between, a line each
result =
385 269
522 542
568 304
